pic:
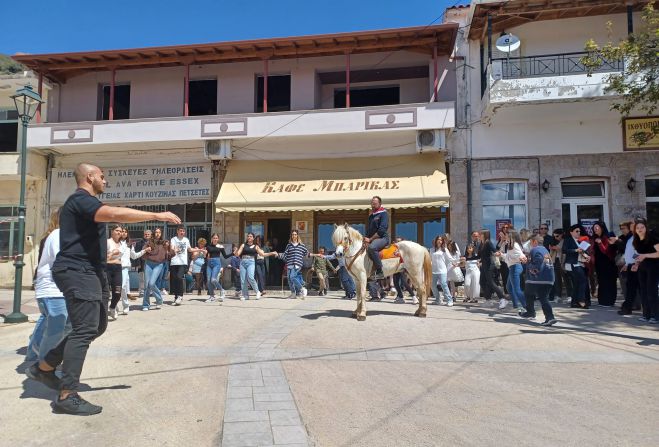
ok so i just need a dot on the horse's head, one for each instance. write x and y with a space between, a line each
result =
343 237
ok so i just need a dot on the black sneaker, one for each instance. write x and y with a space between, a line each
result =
48 378
550 322
378 274
75 405
624 312
524 314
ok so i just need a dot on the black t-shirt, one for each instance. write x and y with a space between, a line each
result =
646 246
249 250
83 242
215 252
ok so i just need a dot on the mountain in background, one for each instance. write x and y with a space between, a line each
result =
9 66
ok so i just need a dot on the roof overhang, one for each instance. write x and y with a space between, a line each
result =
62 66
510 13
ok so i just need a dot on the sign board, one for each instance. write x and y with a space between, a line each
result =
633 126
500 224
159 184
587 225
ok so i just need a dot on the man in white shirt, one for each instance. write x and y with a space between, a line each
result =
180 247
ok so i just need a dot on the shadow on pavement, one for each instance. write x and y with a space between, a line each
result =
342 313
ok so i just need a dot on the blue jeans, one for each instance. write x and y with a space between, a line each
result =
51 328
579 282
514 285
347 281
213 267
160 283
247 267
541 292
440 278
295 280
152 271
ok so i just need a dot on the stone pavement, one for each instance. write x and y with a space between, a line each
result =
290 372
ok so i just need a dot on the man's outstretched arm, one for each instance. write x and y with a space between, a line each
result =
108 213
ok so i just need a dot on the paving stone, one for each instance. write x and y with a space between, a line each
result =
289 435
245 382
284 417
244 374
247 439
271 389
279 405
231 428
239 404
273 381
273 397
236 392
246 416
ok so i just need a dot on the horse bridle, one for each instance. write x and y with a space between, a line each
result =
346 245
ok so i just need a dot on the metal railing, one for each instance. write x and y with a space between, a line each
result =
549 65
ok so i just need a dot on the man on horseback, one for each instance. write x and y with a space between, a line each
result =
377 234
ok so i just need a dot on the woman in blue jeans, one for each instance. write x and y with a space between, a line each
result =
214 267
513 256
247 253
293 255
53 324
155 258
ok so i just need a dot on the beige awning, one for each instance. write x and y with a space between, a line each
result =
334 184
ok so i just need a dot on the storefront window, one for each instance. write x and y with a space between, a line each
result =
652 202
408 230
8 231
419 225
504 201
432 228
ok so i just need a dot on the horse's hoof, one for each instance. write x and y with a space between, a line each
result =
361 317
416 314
354 315
420 315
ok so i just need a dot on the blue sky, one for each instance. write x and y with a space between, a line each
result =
77 25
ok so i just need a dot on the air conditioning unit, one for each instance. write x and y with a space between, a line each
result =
218 150
433 140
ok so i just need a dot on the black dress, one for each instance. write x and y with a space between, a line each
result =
607 274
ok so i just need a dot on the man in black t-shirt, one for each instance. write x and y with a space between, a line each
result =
79 272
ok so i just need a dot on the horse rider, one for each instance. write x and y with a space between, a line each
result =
378 237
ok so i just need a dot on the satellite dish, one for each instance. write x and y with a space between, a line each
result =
508 43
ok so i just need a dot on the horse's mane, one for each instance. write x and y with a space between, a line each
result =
340 231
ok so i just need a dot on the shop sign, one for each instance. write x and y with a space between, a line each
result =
635 126
161 184
331 186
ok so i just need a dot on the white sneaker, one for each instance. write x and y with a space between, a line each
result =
450 304
145 309
125 310
258 295
304 291
178 300
503 303
222 296
163 292
111 316
415 300
158 306
211 299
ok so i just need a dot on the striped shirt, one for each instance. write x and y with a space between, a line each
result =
294 254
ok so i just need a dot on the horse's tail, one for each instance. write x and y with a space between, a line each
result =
427 272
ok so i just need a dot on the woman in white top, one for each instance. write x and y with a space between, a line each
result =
127 253
454 274
439 271
514 257
113 269
53 324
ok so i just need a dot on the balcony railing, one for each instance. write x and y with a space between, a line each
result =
548 65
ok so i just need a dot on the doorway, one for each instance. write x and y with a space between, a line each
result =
584 203
278 232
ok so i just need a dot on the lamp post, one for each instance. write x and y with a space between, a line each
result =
26 101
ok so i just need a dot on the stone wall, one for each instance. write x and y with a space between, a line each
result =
614 169
306 238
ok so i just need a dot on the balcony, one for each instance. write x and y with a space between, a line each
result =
297 131
545 78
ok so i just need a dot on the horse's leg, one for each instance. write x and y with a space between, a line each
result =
361 309
358 292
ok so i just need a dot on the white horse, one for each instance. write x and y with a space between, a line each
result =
416 261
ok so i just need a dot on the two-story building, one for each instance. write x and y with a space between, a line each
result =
262 135
535 140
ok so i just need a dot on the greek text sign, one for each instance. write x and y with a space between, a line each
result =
645 128
168 184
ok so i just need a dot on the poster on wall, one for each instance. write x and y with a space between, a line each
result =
500 223
159 184
587 225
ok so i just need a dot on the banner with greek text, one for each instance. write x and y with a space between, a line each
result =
148 185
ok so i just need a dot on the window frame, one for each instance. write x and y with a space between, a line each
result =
650 199
574 202
217 88
12 220
524 202
420 216
259 104
101 98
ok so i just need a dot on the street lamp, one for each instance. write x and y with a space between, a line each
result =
27 102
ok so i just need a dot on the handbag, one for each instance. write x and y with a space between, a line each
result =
455 275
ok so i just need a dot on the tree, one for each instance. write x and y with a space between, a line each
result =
9 66
637 86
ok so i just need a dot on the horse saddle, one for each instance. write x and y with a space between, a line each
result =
389 252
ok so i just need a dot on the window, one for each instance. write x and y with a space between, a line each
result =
8 231
324 222
279 93
652 202
367 96
582 189
419 225
121 102
504 201
8 130
584 202
203 97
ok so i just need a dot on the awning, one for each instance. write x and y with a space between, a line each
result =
334 184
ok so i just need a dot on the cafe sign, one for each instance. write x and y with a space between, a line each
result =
160 184
633 128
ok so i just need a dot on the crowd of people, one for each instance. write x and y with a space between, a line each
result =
81 278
